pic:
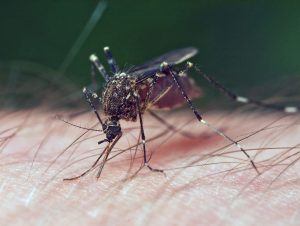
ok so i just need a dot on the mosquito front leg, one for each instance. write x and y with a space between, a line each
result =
89 96
165 67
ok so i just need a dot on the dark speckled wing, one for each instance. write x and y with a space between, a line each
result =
174 57
166 94
173 97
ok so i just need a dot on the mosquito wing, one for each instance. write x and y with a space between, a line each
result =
165 93
172 58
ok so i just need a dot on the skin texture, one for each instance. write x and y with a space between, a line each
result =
223 189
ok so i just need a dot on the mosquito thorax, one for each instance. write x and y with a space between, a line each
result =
119 97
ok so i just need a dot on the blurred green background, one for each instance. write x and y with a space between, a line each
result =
242 43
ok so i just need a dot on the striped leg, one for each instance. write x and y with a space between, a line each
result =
166 67
146 161
111 61
89 96
245 100
93 75
96 63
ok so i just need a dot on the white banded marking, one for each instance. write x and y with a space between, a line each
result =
128 96
93 58
106 48
189 64
182 74
149 80
160 75
290 109
242 99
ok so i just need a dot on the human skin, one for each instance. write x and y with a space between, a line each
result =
222 190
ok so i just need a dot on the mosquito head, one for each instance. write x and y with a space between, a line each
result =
111 128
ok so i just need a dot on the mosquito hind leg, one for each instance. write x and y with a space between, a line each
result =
165 67
111 60
188 66
245 100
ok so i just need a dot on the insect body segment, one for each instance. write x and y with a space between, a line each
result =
119 98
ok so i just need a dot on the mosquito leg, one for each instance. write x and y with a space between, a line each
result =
151 89
85 172
245 100
166 67
111 60
93 77
88 96
95 61
188 66
90 169
107 152
146 162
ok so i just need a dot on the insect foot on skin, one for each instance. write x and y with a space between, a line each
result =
127 95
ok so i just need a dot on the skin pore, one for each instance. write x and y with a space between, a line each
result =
221 189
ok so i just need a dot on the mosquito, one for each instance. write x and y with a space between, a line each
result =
128 94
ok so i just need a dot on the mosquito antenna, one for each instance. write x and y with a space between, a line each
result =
77 126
